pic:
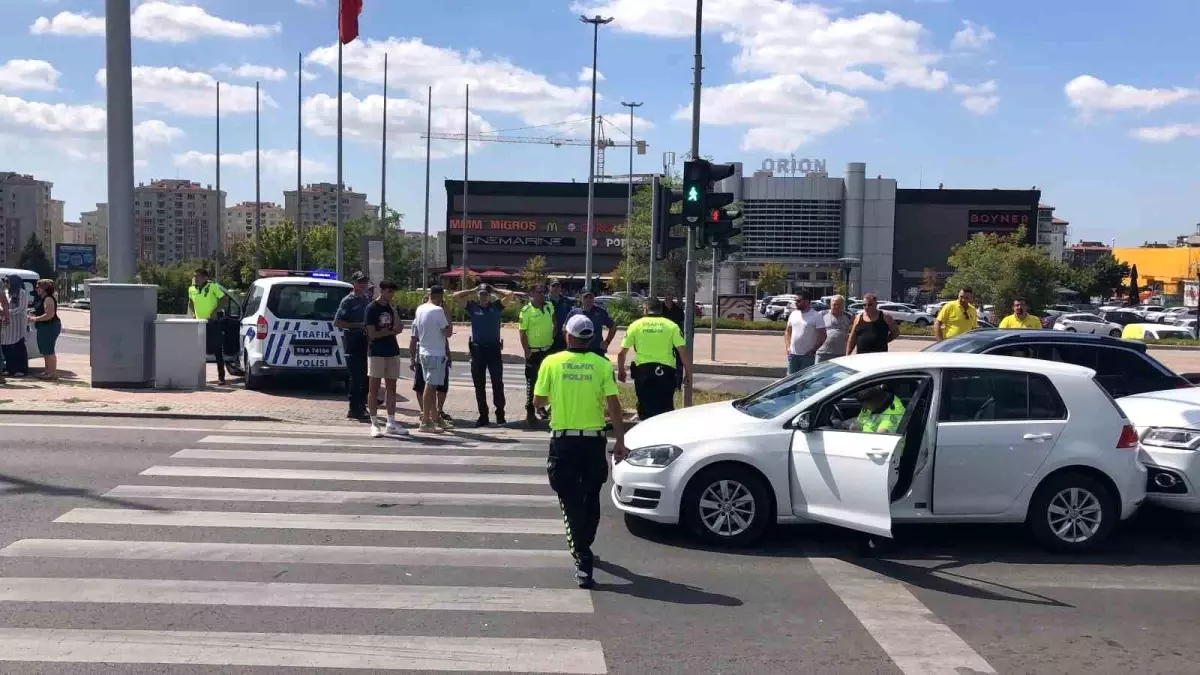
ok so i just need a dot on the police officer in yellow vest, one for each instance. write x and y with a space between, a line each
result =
204 298
537 339
656 339
578 386
881 412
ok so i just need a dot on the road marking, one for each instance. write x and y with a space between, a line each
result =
321 474
408 443
312 521
330 496
358 458
524 437
286 553
319 651
275 594
896 619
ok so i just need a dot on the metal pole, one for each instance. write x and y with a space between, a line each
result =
712 317
689 306
257 188
299 159
337 226
466 182
428 152
383 160
596 22
119 68
221 211
655 186
629 216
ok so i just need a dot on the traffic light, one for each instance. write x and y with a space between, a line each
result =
720 224
695 188
662 220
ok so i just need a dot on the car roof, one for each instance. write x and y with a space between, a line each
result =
988 338
888 361
273 281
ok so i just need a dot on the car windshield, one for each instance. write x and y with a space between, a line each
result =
312 302
786 393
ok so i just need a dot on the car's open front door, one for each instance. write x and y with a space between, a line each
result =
841 478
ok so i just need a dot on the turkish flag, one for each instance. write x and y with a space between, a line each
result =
348 11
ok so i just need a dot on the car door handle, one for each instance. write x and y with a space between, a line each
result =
1037 437
878 454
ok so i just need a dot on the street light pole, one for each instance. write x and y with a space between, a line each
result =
689 306
119 113
629 217
596 22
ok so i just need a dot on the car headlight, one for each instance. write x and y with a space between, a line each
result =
1183 439
653 455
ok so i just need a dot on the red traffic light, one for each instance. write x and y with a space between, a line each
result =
715 216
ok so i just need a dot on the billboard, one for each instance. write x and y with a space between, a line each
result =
75 257
998 221
740 307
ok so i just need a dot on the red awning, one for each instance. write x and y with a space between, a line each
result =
494 274
457 272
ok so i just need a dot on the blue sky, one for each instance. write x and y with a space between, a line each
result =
1097 104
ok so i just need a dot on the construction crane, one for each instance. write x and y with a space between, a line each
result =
602 142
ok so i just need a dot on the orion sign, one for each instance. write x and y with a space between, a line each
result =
793 164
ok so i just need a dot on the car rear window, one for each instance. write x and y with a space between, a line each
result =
312 302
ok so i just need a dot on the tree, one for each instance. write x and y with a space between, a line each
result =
772 279
1108 276
534 272
33 258
839 283
671 272
1135 297
1001 268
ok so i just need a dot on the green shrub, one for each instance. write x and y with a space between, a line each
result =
625 310
738 324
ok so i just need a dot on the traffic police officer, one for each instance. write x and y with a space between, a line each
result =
881 412
204 299
537 337
562 308
486 347
578 385
351 317
656 340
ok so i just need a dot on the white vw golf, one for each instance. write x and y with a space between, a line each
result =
964 438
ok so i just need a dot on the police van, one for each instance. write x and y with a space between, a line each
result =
287 329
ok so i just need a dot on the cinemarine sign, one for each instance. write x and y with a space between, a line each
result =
793 164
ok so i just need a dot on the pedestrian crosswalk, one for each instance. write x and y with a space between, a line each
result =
255 549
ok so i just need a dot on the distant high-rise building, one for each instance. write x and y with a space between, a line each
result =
239 221
318 204
95 229
1051 232
73 233
25 210
176 220
53 230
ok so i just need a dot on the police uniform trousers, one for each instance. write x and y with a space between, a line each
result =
578 469
532 365
486 360
654 385
214 343
356 368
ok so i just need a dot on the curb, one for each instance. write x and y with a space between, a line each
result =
742 369
214 417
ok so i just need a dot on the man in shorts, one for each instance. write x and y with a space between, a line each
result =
432 330
419 386
383 325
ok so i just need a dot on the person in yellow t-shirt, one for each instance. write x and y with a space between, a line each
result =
956 317
656 339
1020 319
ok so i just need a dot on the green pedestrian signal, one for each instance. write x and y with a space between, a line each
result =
693 194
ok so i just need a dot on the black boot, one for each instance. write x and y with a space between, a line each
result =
500 418
481 422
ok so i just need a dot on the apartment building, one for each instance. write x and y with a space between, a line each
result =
176 220
52 232
95 229
318 204
25 210
73 233
239 221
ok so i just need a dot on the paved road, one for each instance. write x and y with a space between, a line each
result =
153 543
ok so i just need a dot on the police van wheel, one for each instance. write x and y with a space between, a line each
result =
727 505
253 382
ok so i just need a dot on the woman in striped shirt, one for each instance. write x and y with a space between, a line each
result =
12 333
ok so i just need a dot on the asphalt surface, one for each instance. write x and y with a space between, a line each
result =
162 576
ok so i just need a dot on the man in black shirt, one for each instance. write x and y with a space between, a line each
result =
383 325
673 311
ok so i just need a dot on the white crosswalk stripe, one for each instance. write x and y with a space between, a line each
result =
478 504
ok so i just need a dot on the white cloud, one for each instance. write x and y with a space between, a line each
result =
155 132
188 93
585 75
74 131
157 21
363 121
980 99
877 50
308 76
496 84
783 112
274 161
1090 94
972 37
1166 134
252 72
29 75
311 3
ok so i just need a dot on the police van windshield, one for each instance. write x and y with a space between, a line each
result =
781 396
312 302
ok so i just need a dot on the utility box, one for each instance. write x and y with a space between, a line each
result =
179 354
122 335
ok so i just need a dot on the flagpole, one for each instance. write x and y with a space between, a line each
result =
383 159
221 215
466 181
338 213
299 158
257 186
428 152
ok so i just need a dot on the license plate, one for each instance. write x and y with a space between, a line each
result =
309 350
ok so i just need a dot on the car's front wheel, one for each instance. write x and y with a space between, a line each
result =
922 322
1114 333
1070 330
727 505
1072 512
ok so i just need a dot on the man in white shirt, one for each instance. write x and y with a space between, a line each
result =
432 329
804 335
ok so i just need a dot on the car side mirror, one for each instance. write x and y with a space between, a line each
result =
804 421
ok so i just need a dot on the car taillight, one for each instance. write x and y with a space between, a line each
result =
260 329
1128 439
